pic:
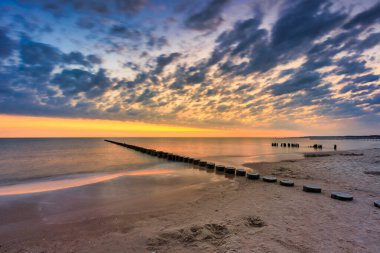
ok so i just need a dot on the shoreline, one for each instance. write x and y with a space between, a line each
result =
311 154
61 182
232 215
71 181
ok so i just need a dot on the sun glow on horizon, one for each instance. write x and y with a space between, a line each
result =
30 126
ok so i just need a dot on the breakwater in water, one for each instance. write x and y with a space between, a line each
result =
179 158
231 171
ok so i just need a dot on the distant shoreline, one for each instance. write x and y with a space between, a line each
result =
344 137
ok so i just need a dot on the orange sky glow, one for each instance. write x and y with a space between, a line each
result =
28 126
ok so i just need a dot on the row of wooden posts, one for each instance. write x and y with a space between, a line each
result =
296 145
185 159
284 145
228 171
231 171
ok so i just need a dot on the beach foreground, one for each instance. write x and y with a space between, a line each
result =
234 215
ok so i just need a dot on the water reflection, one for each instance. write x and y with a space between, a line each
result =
53 185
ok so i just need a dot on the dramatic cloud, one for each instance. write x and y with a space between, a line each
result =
164 60
303 23
299 81
364 18
95 6
200 63
74 81
38 53
6 44
207 18
125 32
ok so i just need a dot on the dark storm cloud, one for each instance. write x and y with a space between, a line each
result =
299 81
93 6
87 22
340 109
132 66
28 88
131 6
74 81
195 77
145 96
207 18
115 108
188 75
244 35
24 91
366 79
93 59
351 66
292 34
374 101
242 88
163 60
140 79
157 42
6 44
302 23
125 32
35 53
245 39
317 95
286 72
79 59
122 37
32 52
364 18
356 88
369 42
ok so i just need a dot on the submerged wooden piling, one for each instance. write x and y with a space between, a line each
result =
253 175
312 188
202 163
341 196
196 161
220 168
269 179
210 166
287 182
230 170
240 172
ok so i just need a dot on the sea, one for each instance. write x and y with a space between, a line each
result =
72 162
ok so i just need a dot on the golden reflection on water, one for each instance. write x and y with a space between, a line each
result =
44 186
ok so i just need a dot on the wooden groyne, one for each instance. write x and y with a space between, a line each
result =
184 159
284 145
231 171
297 145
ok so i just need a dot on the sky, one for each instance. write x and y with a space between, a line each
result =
189 68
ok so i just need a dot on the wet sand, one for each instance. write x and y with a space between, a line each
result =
227 215
71 182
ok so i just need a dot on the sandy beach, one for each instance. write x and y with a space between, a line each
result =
230 215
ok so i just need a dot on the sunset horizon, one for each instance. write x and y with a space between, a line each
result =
17 126
220 66
189 126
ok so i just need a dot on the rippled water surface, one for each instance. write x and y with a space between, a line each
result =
34 159
56 181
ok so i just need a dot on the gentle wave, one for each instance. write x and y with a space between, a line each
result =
44 186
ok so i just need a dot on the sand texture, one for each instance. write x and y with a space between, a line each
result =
236 215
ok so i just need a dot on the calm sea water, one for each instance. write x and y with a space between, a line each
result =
33 159
40 178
